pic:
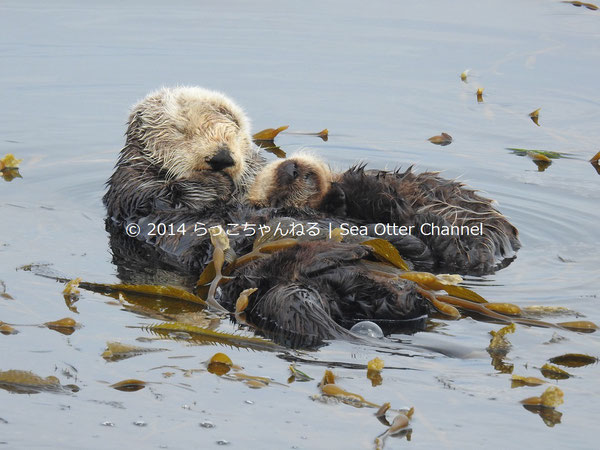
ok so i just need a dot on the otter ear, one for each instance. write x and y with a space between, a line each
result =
135 124
229 114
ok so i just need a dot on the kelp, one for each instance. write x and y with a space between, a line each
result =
442 139
116 351
431 281
205 334
399 426
220 241
66 325
9 167
499 345
298 375
376 364
4 294
464 75
573 360
271 147
551 398
242 302
480 95
221 365
535 116
129 385
323 134
349 398
26 382
589 6
442 307
7 329
171 292
519 381
269 134
330 389
554 373
544 155
386 252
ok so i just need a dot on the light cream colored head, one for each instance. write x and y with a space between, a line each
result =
300 181
186 130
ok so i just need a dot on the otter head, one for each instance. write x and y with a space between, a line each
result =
185 131
300 181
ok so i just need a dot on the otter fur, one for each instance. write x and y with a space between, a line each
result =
400 198
301 181
189 159
186 147
305 292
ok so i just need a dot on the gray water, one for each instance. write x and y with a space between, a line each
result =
382 77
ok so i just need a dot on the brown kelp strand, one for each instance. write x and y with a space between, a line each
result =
26 382
574 360
442 139
211 335
220 241
269 134
116 351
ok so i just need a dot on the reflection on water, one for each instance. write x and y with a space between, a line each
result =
382 78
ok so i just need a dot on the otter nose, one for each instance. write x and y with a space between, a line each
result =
221 160
288 172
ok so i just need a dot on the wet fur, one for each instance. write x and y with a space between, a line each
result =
171 136
406 198
306 292
401 198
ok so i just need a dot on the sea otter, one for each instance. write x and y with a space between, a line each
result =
186 148
189 163
425 204
306 292
301 181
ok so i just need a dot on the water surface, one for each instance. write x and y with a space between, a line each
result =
382 77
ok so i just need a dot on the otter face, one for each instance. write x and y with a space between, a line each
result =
300 181
188 130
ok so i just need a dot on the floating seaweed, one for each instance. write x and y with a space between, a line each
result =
589 6
116 351
298 375
551 398
220 241
480 95
464 75
400 427
441 139
574 360
129 385
554 372
9 167
207 335
269 134
271 147
499 345
323 134
519 381
66 325
7 329
3 294
242 302
535 116
25 382
386 252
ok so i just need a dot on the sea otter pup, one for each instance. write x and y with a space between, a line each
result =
306 292
186 148
301 181
425 204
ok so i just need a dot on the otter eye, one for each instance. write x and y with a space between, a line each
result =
308 175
